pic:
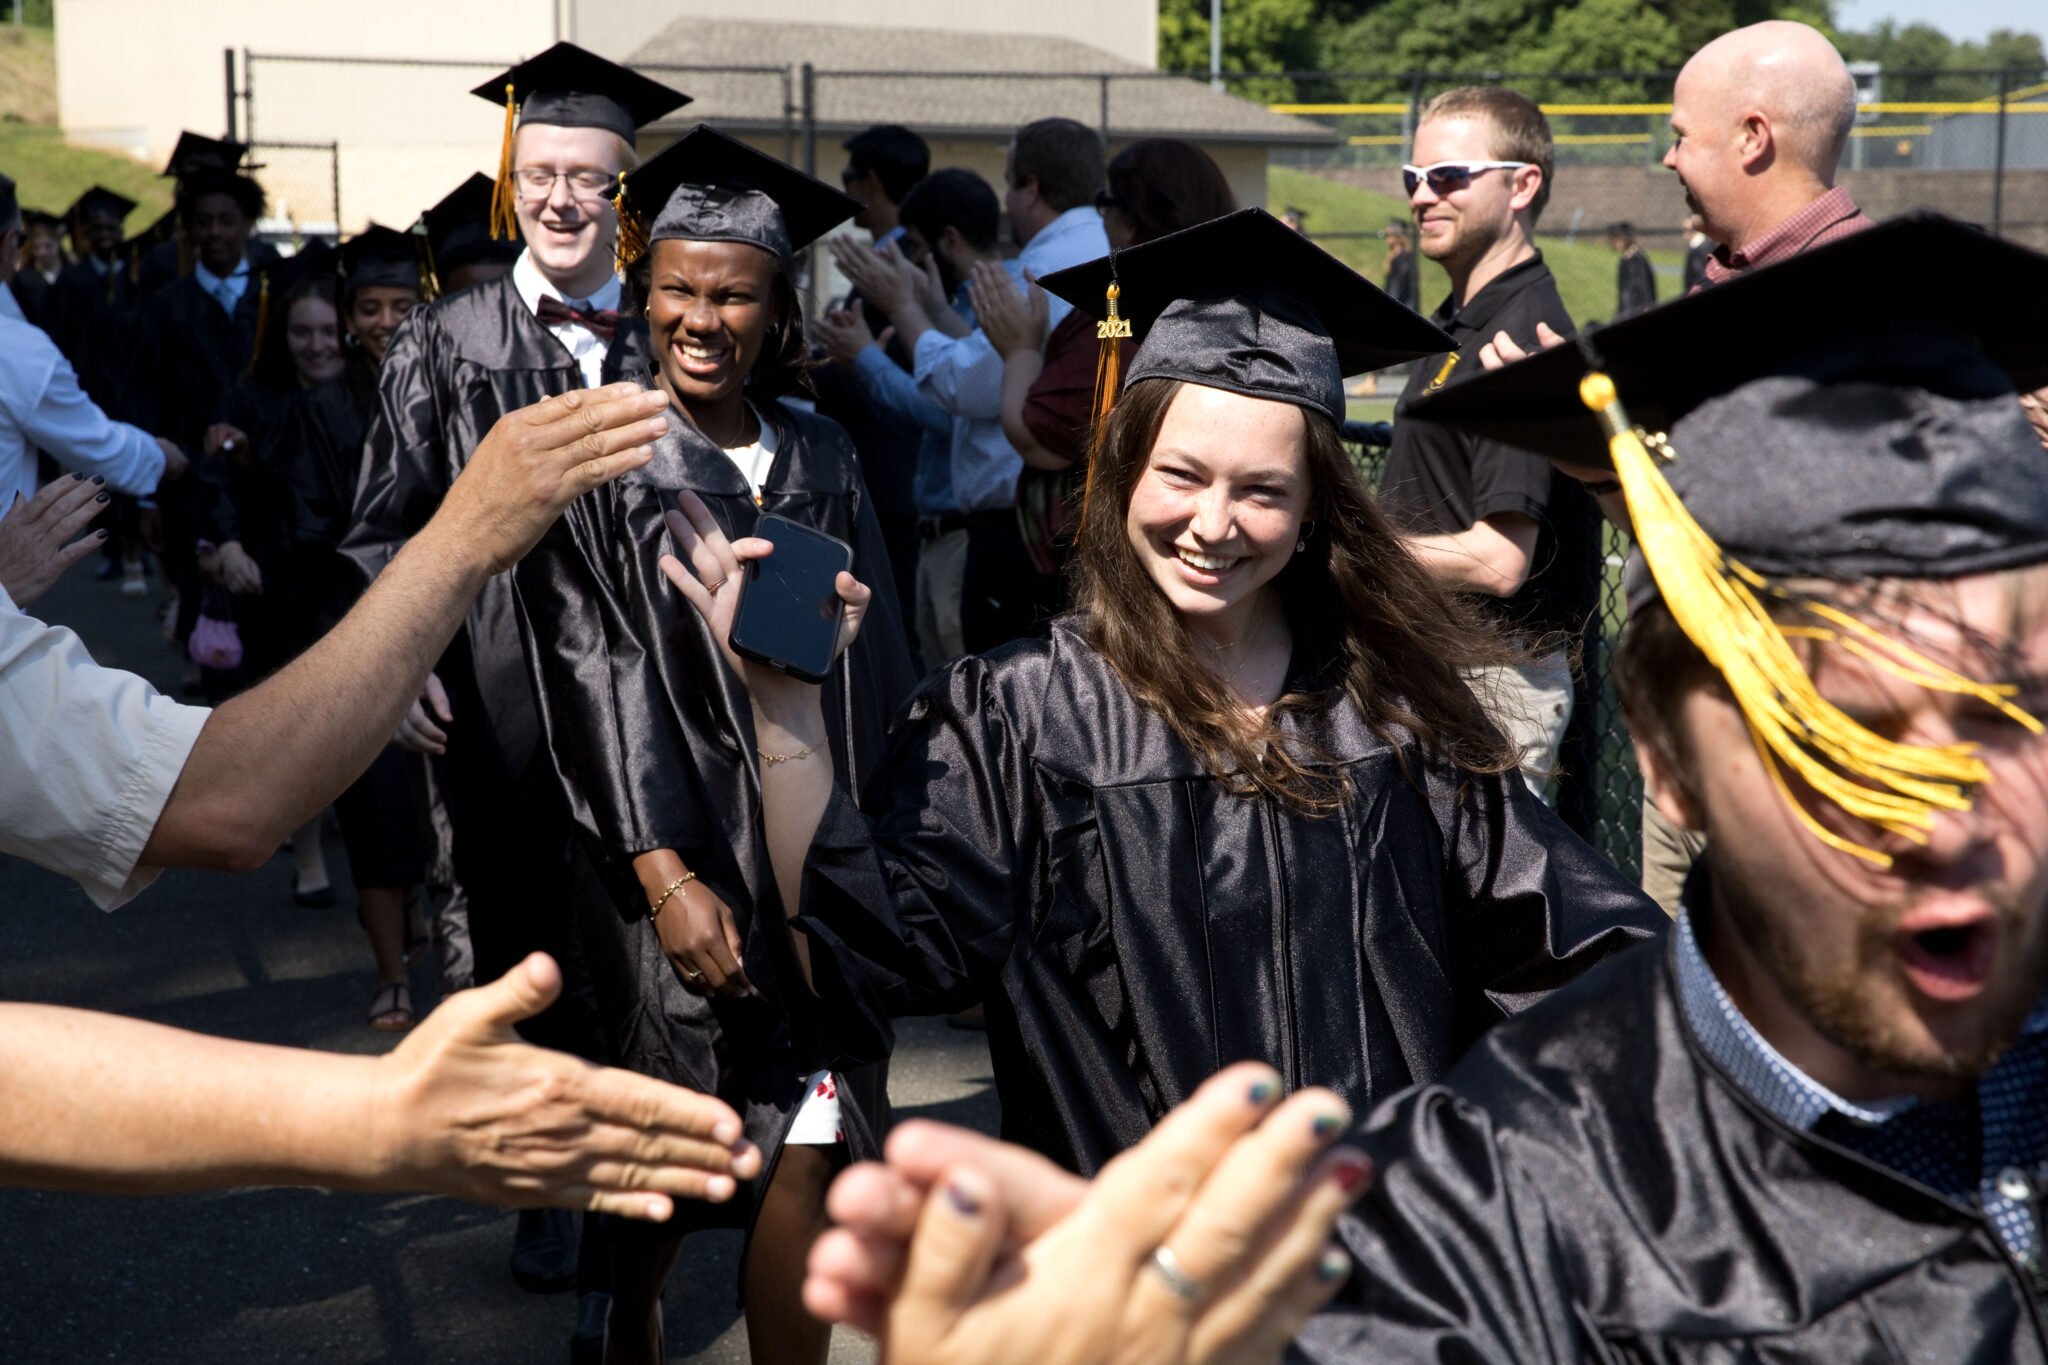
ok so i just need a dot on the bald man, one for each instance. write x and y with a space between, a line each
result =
1759 119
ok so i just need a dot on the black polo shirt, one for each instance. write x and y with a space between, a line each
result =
1439 481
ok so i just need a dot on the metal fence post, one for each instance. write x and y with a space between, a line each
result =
1998 159
227 55
334 162
810 86
248 99
1104 81
788 117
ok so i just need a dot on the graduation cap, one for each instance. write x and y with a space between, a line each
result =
99 199
1811 427
36 218
709 187
276 279
8 202
569 87
196 153
1244 303
380 256
458 231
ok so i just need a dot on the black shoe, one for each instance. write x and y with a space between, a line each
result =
586 1344
319 898
544 1251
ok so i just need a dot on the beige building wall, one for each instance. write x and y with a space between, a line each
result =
1126 28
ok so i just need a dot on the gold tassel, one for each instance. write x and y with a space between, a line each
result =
1719 604
504 217
1110 335
430 278
629 243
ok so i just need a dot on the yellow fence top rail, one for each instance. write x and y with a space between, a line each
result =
1987 106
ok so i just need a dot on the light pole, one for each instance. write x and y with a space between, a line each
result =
1216 44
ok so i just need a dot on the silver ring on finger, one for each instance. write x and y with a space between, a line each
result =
1175 1277
692 975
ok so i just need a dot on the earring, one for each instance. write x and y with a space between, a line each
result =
1308 528
1301 545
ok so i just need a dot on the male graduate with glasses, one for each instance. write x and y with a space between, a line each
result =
1487 520
452 369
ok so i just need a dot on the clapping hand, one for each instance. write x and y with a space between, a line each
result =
1207 1242
1013 319
36 544
883 276
844 333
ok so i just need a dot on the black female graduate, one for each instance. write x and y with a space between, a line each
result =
651 733
1241 804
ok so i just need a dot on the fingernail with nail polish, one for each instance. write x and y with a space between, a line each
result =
964 1204
1327 1126
101 498
1262 1092
1350 1173
99 478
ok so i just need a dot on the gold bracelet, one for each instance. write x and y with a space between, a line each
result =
673 887
805 752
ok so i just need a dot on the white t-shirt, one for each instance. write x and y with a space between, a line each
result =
754 461
88 757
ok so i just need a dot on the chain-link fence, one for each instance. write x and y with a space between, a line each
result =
301 188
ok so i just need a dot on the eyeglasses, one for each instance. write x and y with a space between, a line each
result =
585 182
1448 177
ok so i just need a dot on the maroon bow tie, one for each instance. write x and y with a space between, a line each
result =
600 323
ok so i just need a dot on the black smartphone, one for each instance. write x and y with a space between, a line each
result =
790 608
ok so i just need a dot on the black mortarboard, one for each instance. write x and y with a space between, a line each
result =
572 88
569 88
36 218
98 199
709 187
1810 426
275 279
163 229
380 256
196 153
8 202
1245 303
459 229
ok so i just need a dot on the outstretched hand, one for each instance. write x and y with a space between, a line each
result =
535 461
466 1109
1505 350
966 1249
1013 318
36 544
711 583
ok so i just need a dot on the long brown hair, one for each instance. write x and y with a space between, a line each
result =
1369 623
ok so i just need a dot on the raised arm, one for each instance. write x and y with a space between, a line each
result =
271 757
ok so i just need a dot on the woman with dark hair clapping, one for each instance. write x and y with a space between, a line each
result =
1241 804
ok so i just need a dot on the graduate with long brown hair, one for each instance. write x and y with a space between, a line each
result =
1241 804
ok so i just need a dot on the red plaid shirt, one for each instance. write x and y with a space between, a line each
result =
1829 218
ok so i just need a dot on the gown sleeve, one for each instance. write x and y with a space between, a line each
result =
404 472
1531 905
923 899
1450 1253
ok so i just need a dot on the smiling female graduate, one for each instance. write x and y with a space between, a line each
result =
1241 804
652 736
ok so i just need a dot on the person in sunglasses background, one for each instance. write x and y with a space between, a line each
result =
1487 520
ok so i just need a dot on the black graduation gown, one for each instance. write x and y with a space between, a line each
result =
99 315
37 298
1587 1186
1635 284
453 368
652 736
1047 845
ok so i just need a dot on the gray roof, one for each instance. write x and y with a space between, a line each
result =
871 75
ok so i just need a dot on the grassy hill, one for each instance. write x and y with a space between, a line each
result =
1584 269
48 172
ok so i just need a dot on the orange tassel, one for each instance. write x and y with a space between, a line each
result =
629 244
1111 333
504 218
430 279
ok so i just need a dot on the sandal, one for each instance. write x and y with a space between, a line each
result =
397 1016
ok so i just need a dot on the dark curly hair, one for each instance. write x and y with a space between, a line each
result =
784 366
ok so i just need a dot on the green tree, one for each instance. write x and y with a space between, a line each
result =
1258 35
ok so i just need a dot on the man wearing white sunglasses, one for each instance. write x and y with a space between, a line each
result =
1487 519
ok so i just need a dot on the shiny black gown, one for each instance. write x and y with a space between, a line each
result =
1047 845
454 367
653 737
1587 1187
